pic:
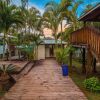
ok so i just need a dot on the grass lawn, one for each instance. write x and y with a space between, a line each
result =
78 78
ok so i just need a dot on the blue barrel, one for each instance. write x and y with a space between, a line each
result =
65 70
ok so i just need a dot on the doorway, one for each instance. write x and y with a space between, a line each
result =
49 51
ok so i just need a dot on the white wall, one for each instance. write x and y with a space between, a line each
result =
41 52
47 51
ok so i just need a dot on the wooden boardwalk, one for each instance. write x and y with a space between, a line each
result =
45 82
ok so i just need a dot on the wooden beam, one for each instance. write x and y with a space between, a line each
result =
80 46
84 61
89 62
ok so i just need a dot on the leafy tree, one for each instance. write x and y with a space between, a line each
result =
9 16
53 15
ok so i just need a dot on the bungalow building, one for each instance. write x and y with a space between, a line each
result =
46 48
88 39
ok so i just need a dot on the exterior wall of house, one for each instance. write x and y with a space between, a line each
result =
41 52
47 52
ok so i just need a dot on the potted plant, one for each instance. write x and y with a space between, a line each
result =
5 71
62 55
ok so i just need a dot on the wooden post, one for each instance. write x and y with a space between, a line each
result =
83 61
71 59
84 23
94 66
89 62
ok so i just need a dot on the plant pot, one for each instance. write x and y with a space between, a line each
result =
64 70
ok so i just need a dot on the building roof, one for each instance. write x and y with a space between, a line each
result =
92 15
52 41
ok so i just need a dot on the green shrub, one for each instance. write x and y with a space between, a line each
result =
61 55
92 84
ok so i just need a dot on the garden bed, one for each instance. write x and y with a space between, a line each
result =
6 86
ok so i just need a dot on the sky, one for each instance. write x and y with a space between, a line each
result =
40 4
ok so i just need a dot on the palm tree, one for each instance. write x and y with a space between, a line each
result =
24 8
73 15
72 20
54 15
24 3
51 17
32 40
64 5
37 40
9 16
7 1
33 16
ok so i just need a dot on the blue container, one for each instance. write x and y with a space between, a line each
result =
65 70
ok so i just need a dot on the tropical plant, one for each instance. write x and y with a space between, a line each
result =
73 15
24 3
8 17
33 18
66 34
36 40
7 1
62 54
5 71
53 15
30 45
28 50
92 84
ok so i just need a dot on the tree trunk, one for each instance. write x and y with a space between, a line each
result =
61 34
56 45
9 47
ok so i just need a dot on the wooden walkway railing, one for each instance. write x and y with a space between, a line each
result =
87 36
